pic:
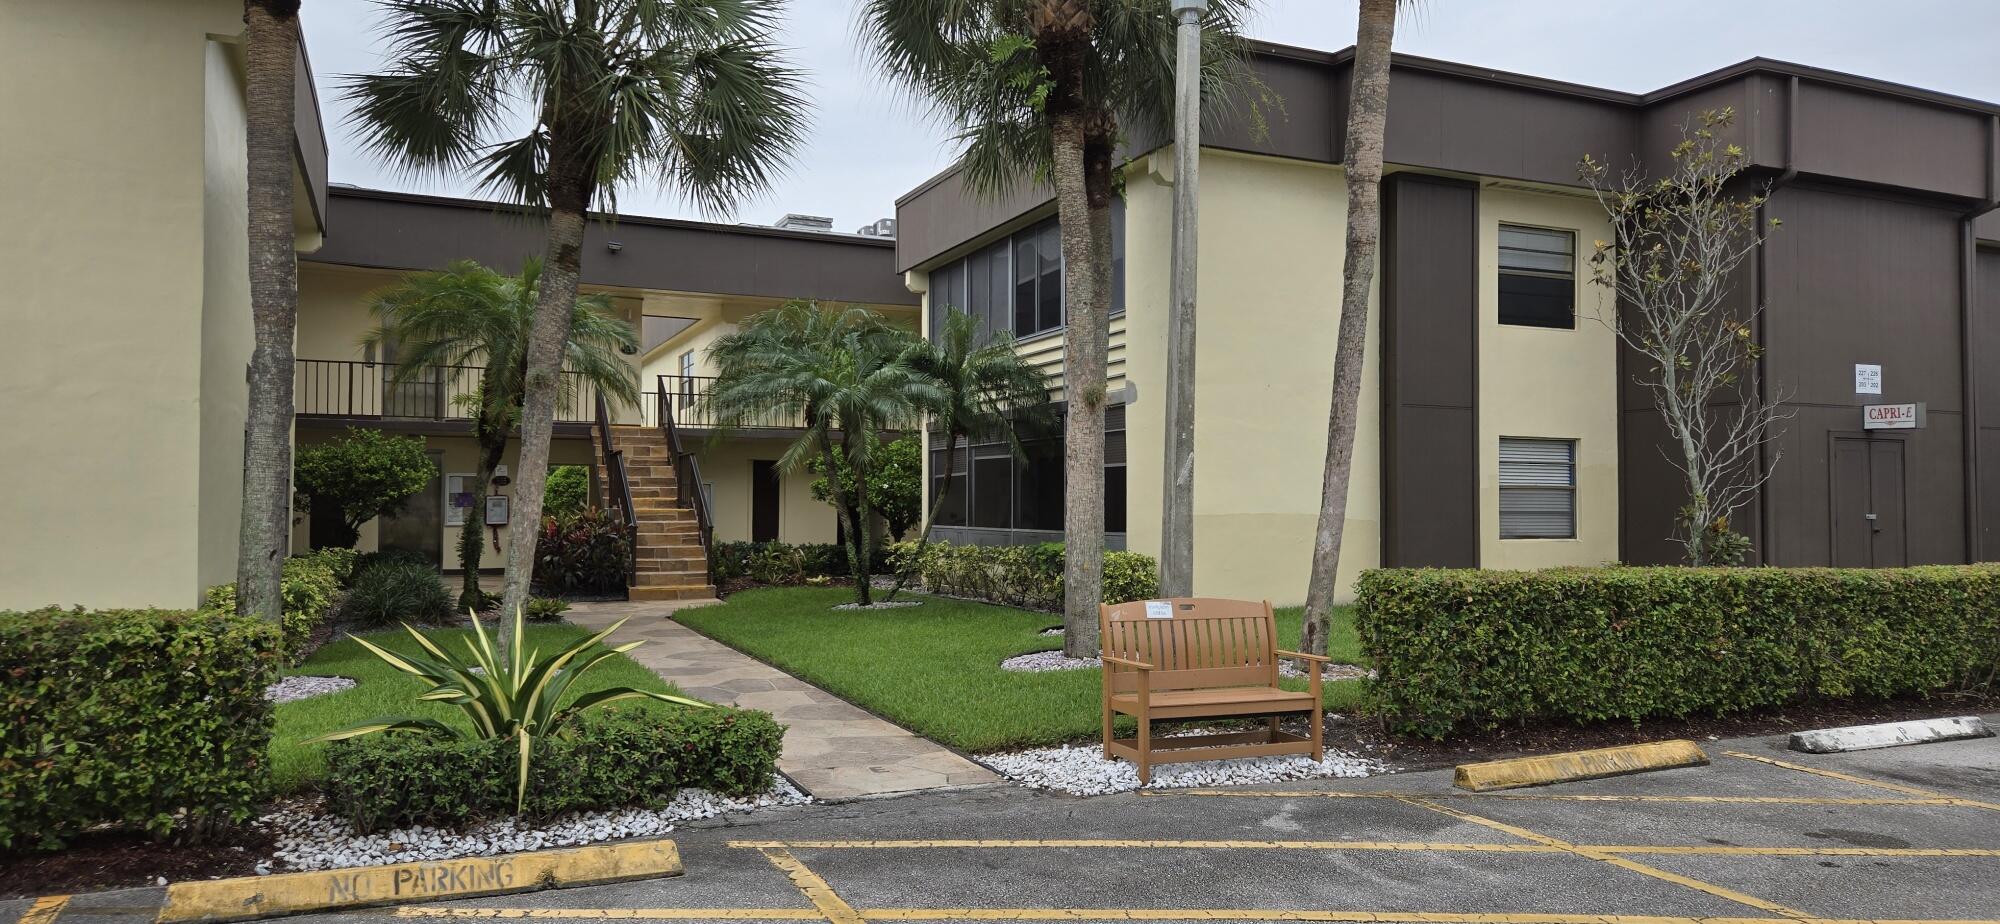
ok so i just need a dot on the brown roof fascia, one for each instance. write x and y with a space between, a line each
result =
485 205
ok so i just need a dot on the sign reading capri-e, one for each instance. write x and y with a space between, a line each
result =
1893 416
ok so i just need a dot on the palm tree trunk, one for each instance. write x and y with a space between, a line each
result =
562 270
471 545
864 537
264 533
855 564
1082 174
930 515
1368 114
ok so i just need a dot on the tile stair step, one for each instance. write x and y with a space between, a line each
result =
673 566
687 592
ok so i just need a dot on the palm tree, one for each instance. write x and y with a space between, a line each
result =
271 40
985 390
1037 88
468 315
1367 119
841 371
690 94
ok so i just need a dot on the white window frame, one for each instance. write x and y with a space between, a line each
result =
1536 487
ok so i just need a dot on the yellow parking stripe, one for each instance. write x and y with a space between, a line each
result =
616 914
44 910
1545 797
815 889
1620 862
1864 781
1124 914
1542 845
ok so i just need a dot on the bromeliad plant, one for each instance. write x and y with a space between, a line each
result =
519 696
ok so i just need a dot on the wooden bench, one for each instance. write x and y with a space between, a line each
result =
1197 658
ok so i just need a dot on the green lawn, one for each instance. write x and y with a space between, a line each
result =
385 691
936 668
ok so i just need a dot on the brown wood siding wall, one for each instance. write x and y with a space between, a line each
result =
1430 374
1986 336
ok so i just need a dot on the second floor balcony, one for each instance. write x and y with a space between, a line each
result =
355 390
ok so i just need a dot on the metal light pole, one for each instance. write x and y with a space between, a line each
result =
1177 502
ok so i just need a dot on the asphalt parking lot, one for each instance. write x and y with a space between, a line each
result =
1763 834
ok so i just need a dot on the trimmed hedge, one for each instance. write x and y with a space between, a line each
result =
608 759
783 563
309 584
153 719
1480 648
1027 576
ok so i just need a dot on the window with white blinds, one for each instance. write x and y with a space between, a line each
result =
1537 489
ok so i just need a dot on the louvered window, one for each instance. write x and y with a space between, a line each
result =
1537 489
1537 277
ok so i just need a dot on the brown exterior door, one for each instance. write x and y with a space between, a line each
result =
1868 522
763 501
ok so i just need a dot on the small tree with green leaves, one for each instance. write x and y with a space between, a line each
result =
843 372
569 491
1676 244
360 476
895 490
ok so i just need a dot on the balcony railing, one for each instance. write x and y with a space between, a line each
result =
352 388
689 394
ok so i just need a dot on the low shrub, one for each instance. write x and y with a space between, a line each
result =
1479 648
1027 576
310 585
391 591
609 759
785 563
545 609
583 553
567 491
339 561
151 719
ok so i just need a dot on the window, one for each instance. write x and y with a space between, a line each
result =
1537 489
948 477
687 379
1015 285
1537 277
993 489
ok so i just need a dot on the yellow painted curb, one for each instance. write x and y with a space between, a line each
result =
250 897
1578 765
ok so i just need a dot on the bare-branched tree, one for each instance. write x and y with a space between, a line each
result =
1677 243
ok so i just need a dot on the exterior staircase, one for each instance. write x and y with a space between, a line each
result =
670 561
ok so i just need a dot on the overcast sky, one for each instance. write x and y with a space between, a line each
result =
869 145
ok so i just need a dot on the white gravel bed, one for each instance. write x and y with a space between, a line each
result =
1083 770
1057 632
308 838
888 605
1036 662
293 689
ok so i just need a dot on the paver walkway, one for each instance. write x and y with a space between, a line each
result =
833 749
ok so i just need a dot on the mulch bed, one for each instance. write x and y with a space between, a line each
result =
117 860
1365 737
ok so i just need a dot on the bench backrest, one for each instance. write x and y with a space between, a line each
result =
1207 642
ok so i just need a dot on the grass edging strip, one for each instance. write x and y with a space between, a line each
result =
1888 735
248 898
1572 766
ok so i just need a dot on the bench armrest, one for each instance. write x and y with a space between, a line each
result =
1302 656
1122 662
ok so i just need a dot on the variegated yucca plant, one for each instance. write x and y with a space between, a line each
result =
519 696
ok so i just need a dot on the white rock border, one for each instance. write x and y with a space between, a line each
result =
1036 662
293 689
1083 770
884 605
308 838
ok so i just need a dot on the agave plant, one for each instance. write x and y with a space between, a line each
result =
519 696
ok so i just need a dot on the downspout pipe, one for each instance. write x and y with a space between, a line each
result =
1968 360
1761 269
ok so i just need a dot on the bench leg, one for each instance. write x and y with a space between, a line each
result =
1271 729
1109 716
1318 738
1145 743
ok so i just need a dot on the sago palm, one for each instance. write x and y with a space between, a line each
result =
842 372
468 315
1036 90
985 391
556 104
